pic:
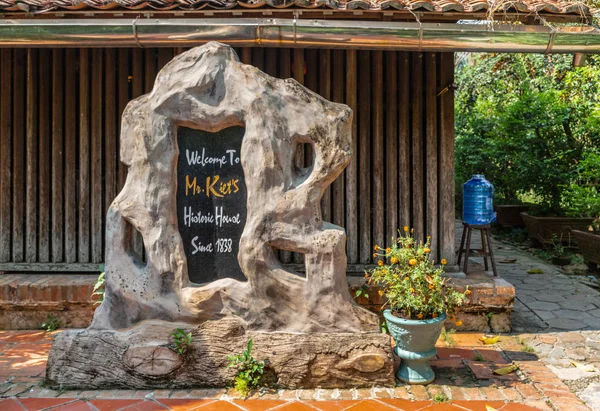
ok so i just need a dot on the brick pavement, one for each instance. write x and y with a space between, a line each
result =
463 378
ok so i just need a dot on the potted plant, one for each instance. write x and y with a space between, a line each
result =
419 300
559 256
589 244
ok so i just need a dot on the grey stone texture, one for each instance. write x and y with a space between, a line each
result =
308 328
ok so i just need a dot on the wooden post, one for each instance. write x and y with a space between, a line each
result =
404 203
391 147
378 165
418 170
58 183
44 136
431 148
364 156
70 157
31 131
446 160
352 169
97 203
6 163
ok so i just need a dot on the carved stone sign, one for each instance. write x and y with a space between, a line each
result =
211 202
309 329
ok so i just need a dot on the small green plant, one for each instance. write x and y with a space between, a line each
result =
363 290
249 370
440 398
182 340
384 327
51 324
478 357
528 349
448 337
99 288
558 249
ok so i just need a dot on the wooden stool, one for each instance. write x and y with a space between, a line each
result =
485 238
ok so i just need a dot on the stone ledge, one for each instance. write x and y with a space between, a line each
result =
26 300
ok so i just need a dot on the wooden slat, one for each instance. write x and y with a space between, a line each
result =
110 128
5 153
84 156
364 155
123 87
416 96
446 159
49 267
137 73
338 200
352 169
97 203
285 63
258 58
271 62
18 132
44 160
31 135
431 148
325 91
70 156
149 69
404 167
246 56
298 72
165 54
391 146
378 156
58 183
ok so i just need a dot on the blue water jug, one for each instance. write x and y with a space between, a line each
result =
478 195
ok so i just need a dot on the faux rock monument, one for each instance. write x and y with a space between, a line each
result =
213 189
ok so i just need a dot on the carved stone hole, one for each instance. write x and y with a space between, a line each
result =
215 187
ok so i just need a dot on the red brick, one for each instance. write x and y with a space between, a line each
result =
419 392
511 394
528 391
459 353
457 393
493 394
492 356
473 393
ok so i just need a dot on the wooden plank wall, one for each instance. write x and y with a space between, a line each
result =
59 137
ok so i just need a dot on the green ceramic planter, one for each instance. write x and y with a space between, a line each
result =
415 345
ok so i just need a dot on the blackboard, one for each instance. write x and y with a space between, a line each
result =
211 202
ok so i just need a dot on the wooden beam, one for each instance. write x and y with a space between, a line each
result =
378 166
404 186
431 148
364 156
418 170
70 156
97 203
84 156
391 146
44 150
31 135
352 169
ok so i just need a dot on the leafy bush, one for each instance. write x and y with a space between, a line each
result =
526 122
181 340
413 285
249 370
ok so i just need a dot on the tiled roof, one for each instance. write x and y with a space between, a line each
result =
460 6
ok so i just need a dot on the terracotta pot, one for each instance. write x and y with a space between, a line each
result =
541 228
589 244
510 215
415 345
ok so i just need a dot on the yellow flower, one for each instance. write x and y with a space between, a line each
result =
468 292
431 286
366 275
376 248
429 238
380 292
412 261
406 228
452 318
374 254
435 315
380 263
383 271
412 290
388 250
405 278
395 260
444 261
420 316
427 250
458 323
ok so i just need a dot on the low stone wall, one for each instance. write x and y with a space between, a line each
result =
26 301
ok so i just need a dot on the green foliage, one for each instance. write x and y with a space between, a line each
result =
528 122
182 340
51 324
99 288
440 398
447 337
363 290
249 370
413 285
478 357
558 249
